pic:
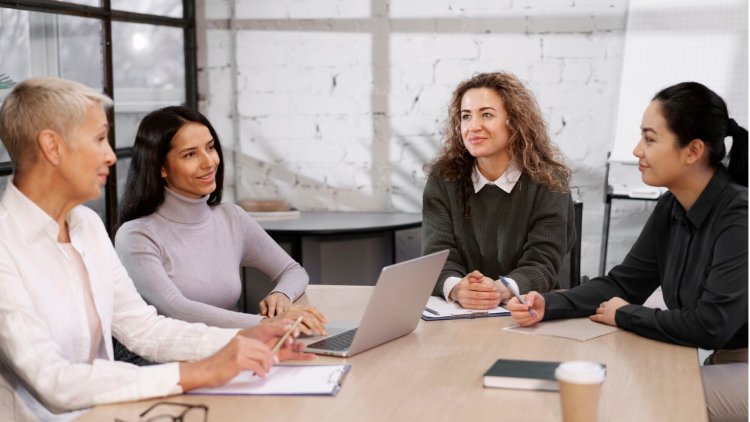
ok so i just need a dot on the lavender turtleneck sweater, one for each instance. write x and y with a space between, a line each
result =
185 260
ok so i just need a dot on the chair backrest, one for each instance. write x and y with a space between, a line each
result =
570 270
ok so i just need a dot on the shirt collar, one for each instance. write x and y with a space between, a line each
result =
706 200
182 209
506 181
30 218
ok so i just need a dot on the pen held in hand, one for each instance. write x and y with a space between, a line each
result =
506 283
286 335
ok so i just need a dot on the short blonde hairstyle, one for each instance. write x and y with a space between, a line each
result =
43 103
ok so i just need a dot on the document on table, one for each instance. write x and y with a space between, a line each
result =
284 380
581 329
438 308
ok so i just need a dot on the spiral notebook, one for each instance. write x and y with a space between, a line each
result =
284 380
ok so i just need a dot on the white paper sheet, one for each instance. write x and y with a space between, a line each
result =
581 329
284 380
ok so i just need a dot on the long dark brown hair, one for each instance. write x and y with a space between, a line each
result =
144 188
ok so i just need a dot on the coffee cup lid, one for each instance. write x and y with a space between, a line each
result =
580 372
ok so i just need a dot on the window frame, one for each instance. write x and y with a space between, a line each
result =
107 15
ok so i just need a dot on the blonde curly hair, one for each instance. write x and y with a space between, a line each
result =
529 144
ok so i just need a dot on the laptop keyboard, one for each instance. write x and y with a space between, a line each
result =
339 342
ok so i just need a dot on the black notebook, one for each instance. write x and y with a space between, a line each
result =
522 374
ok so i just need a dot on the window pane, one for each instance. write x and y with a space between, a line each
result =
80 55
123 165
41 44
172 8
126 126
96 3
149 73
14 45
14 49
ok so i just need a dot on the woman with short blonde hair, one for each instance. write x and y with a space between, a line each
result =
63 291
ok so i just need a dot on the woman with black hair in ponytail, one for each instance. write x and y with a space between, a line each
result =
694 246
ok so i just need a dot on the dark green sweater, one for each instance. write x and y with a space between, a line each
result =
522 234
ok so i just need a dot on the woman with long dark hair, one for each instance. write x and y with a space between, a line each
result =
497 195
183 248
693 246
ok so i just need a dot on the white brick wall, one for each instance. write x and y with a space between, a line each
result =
341 102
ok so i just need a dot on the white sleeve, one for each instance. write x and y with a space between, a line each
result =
450 283
29 351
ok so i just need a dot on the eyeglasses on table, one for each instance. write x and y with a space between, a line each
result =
179 412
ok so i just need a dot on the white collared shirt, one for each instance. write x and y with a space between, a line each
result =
45 337
507 181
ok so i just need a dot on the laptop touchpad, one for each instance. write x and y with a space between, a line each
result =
332 328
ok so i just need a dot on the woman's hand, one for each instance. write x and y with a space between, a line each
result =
312 320
241 353
475 291
274 304
520 312
270 333
606 311
249 350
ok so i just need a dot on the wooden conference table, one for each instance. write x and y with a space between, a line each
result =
435 374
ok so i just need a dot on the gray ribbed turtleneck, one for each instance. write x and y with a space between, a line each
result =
185 260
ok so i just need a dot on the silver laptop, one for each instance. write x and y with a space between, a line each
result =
394 309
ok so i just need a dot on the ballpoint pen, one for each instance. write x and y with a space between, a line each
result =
506 283
286 335
432 311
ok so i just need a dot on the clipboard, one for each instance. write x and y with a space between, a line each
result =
284 380
438 309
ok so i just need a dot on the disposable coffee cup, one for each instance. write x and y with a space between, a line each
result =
580 385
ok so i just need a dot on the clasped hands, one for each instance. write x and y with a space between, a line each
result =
475 291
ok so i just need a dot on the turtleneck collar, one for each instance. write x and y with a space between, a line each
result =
183 210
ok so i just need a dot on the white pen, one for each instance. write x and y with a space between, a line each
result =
506 283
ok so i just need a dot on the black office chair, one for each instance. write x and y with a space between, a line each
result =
569 275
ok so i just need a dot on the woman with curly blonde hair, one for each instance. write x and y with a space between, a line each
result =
496 196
